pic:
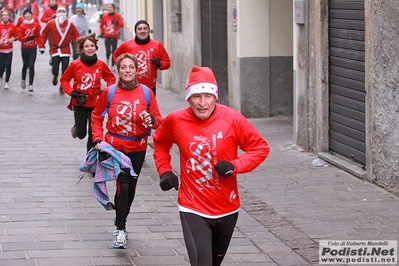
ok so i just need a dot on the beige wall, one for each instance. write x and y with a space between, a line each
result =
253 28
281 37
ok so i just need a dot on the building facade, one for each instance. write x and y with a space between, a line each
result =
345 89
330 64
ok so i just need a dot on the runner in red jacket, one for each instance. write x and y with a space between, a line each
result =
110 24
8 35
86 72
61 31
49 12
10 5
208 136
28 34
127 131
150 53
35 7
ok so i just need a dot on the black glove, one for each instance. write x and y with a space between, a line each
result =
224 168
156 61
152 119
31 37
168 181
41 51
114 21
75 94
89 31
100 35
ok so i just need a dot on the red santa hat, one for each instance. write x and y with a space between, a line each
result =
201 80
60 7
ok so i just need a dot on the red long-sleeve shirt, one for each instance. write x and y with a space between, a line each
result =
123 118
202 144
7 31
86 80
147 71
49 13
25 30
108 28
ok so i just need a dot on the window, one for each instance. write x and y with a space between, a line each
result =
175 18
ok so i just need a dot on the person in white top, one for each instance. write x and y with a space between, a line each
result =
81 23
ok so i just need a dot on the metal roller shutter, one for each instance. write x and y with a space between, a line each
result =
347 79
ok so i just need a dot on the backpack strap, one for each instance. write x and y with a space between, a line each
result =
147 99
146 95
110 95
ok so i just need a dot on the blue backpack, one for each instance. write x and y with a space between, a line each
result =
110 95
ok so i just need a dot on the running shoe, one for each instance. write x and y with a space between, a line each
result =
73 132
120 239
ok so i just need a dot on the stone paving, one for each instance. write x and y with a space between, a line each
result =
47 218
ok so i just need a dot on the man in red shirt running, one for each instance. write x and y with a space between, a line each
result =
150 53
208 136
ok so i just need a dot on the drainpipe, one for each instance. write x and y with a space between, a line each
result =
307 75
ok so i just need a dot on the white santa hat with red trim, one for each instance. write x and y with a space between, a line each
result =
61 8
201 80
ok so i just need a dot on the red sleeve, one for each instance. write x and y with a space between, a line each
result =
163 145
46 16
35 9
96 119
120 50
120 22
15 33
255 147
164 57
107 75
21 34
19 21
43 36
66 78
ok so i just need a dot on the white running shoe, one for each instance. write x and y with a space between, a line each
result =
120 239
6 86
23 84
30 88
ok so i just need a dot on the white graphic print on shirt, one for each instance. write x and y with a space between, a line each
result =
203 151
88 80
143 58
4 35
126 112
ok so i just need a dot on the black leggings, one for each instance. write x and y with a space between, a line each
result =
28 59
5 65
82 117
207 239
126 189
55 68
110 47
